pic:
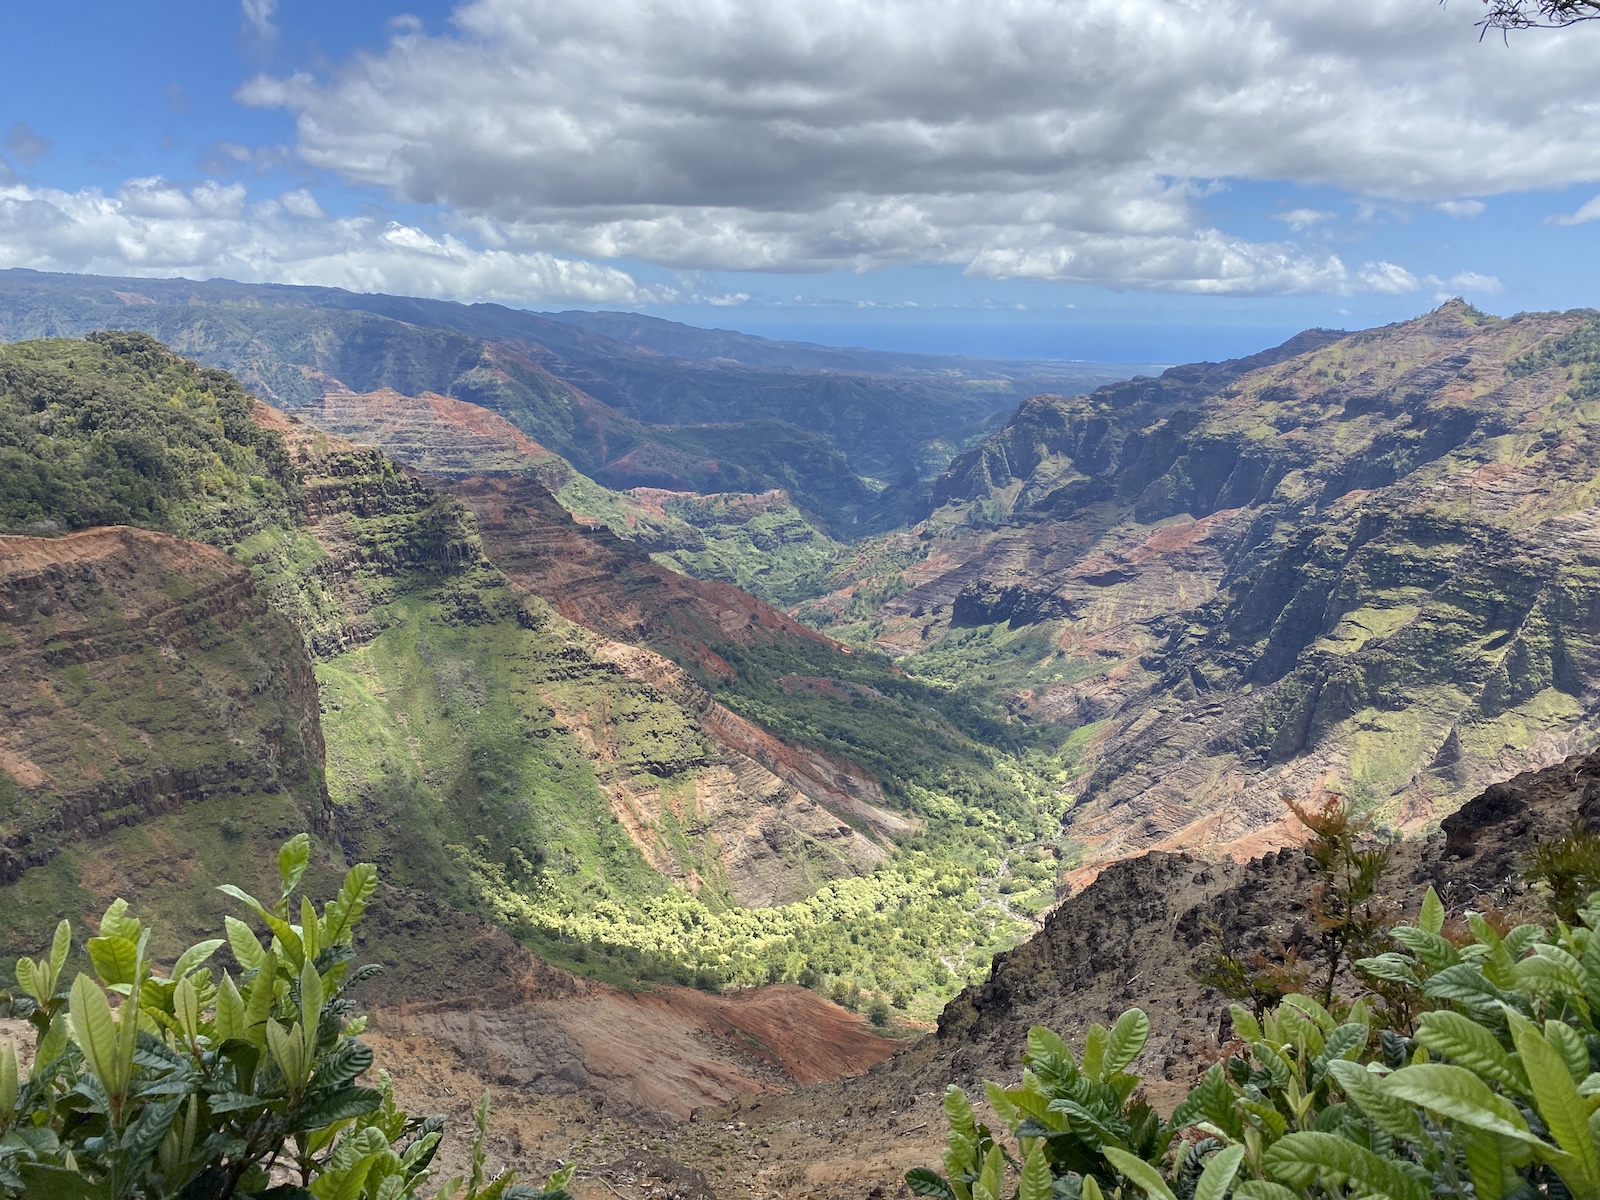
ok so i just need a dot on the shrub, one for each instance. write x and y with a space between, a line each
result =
195 1085
878 1012
1480 1086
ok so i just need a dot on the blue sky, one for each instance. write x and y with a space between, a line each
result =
1149 180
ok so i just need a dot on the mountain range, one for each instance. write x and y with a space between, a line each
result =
639 656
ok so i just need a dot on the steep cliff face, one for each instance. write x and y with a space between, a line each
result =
143 674
1359 563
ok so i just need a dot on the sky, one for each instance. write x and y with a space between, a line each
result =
1112 180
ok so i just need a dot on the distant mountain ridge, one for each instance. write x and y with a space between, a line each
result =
852 446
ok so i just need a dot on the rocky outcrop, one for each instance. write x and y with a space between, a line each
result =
1362 563
143 673
594 578
1134 936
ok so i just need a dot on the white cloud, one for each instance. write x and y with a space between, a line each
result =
1389 278
1471 281
1301 219
1589 211
155 228
300 203
1005 136
1461 209
259 14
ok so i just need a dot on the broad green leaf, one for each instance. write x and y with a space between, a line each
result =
186 1008
60 947
344 1184
1433 951
311 995
1320 1016
960 1155
1091 1189
244 945
1564 1111
1522 937
1260 1189
1128 1037
1394 968
281 929
1345 1042
9 1084
1492 1162
1546 976
1094 1051
45 1182
289 1051
310 928
1265 1118
230 1010
293 857
1043 1042
1391 1114
1466 984
1468 1044
117 923
1483 931
342 912
1210 1100
1037 1181
1457 1093
1572 1047
95 1031
1245 1025
337 1107
28 980
55 1042
115 959
258 1005
958 1111
1431 919
1298 1158
992 1178
1272 1062
194 956
1001 1103
1141 1173
1217 1178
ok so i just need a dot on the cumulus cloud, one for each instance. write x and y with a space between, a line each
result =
1004 136
1389 278
1586 213
152 227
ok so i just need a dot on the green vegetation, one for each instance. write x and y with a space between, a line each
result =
1579 349
144 1086
762 544
1464 1069
994 659
119 430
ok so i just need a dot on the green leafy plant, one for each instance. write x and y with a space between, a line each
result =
198 1085
1479 1083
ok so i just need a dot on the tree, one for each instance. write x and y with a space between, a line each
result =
1506 15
